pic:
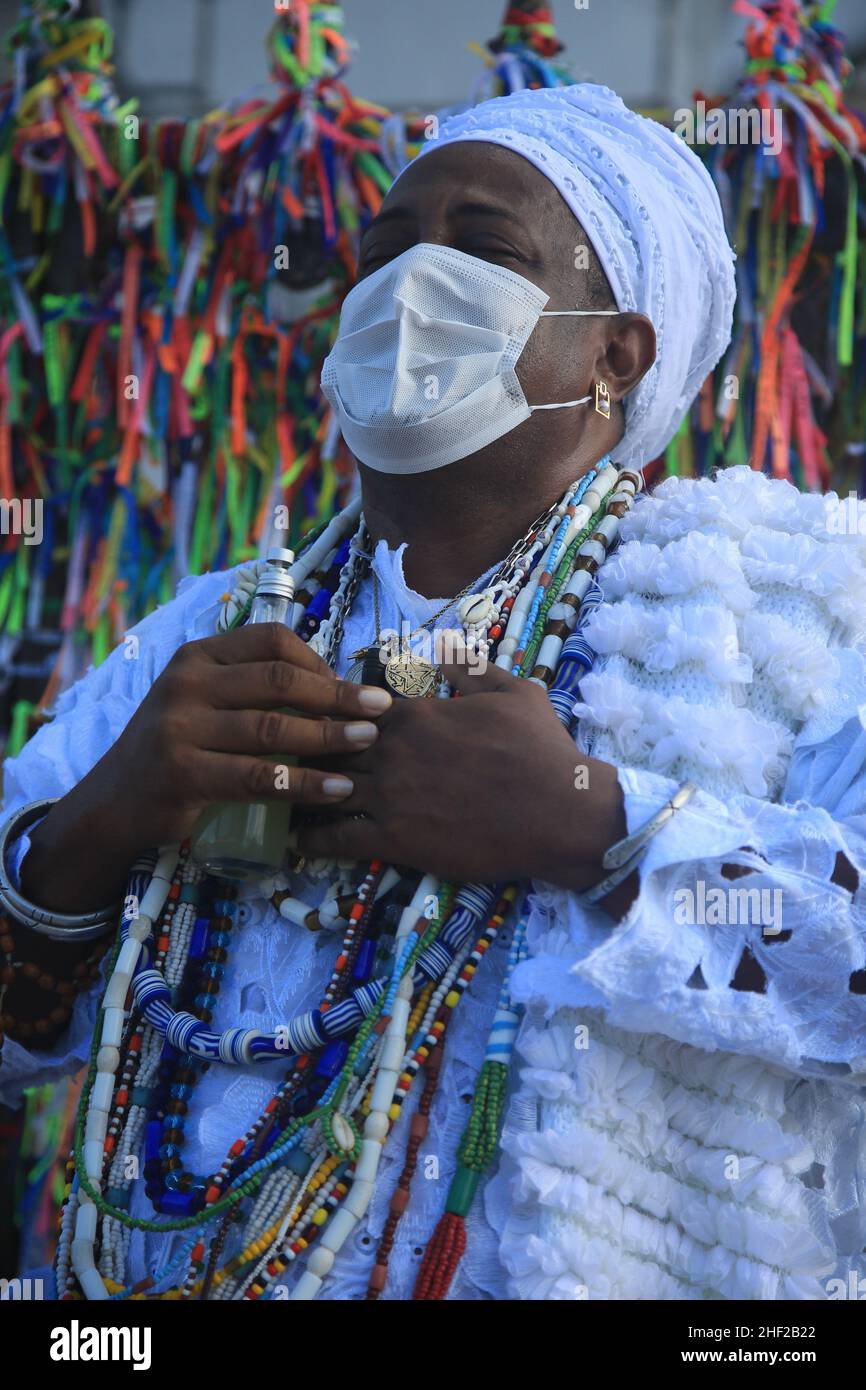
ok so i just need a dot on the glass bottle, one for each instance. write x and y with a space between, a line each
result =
238 841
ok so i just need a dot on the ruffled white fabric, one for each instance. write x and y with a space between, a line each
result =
655 1171
831 573
695 564
715 683
620 1149
729 747
664 636
738 500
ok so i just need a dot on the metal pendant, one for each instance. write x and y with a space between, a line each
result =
367 667
355 672
412 677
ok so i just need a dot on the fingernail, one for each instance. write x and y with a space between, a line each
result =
337 786
361 732
374 700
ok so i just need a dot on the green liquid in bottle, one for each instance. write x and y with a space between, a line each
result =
242 842
234 840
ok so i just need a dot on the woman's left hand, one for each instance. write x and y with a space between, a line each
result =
486 787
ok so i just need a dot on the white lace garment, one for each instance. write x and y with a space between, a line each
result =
668 1136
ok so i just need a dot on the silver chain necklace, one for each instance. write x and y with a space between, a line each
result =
402 671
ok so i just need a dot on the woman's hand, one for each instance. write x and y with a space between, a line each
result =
210 729
486 787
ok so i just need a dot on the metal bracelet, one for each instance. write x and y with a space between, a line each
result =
617 876
58 926
628 847
623 858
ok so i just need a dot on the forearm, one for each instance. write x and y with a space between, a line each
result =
80 854
578 827
77 862
579 871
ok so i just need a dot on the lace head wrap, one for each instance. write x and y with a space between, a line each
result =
652 215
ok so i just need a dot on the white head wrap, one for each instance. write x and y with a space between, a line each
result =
651 212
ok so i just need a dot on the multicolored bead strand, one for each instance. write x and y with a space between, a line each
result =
300 1178
559 616
428 1053
477 1149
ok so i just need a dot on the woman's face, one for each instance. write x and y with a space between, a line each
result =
493 204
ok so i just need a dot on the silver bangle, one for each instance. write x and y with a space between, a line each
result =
613 879
628 847
59 926
624 857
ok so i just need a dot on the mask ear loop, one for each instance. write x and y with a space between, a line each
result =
569 313
560 405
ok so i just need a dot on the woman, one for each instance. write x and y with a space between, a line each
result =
542 293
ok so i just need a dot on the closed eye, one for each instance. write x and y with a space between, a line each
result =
488 252
378 256
497 253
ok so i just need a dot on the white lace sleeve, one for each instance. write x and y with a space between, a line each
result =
89 718
730 649
668 967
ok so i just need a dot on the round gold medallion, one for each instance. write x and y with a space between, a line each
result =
410 676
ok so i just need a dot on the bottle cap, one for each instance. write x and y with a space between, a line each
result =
275 581
280 555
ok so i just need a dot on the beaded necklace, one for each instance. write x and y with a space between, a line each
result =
303 1174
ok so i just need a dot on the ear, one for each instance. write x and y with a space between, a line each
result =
628 355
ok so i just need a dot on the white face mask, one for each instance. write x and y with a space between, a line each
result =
422 372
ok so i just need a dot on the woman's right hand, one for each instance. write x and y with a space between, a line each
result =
211 729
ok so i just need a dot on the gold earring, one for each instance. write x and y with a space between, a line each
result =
602 399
